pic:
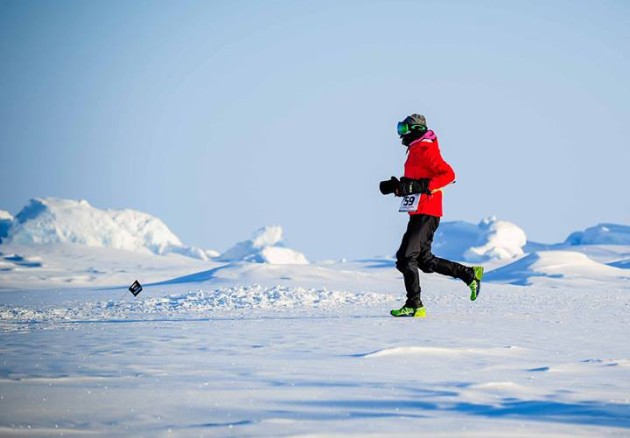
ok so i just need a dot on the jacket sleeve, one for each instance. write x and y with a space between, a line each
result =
443 173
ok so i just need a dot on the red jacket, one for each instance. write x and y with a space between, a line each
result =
425 161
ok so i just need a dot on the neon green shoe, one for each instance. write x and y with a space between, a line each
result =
415 312
475 286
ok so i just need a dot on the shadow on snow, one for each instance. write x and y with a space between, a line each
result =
585 413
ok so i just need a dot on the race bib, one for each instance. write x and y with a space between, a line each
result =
409 203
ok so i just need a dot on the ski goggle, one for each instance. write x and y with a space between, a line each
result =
404 128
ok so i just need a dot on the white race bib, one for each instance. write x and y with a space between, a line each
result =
409 203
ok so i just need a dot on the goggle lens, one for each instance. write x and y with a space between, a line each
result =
403 128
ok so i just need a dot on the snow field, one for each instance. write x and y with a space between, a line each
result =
521 360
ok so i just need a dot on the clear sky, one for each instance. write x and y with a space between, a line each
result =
221 117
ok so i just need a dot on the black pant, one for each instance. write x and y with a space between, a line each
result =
415 253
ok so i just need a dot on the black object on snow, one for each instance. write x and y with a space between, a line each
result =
135 288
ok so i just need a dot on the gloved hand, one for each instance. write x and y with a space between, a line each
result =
408 186
389 186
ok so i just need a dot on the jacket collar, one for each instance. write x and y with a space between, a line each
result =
429 136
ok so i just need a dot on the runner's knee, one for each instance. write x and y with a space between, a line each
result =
426 262
405 264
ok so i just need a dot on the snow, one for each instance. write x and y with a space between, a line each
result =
556 265
6 219
623 264
191 304
293 361
54 221
604 243
491 239
265 246
602 234
237 345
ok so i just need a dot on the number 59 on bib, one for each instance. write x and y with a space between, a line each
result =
409 203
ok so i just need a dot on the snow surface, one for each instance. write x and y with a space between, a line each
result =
623 264
69 265
491 239
265 246
239 346
201 359
559 265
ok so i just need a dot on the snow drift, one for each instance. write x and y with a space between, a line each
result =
601 234
191 304
53 221
265 246
555 265
491 239
623 264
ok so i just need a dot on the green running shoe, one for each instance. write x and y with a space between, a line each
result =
415 312
475 286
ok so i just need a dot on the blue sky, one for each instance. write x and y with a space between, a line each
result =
221 117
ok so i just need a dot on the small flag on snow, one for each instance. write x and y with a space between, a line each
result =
135 288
